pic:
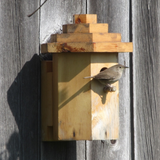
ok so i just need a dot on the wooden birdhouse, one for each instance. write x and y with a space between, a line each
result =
74 108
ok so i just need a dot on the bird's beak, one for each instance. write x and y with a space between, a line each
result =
126 67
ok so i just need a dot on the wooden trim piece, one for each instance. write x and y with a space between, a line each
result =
113 47
86 28
87 47
85 18
86 37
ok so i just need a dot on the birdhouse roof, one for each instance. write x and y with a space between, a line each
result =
86 35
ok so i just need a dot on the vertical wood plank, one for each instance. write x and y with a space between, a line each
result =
146 78
105 106
54 14
19 84
20 72
29 80
116 14
74 96
8 71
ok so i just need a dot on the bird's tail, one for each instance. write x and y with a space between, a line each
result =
89 77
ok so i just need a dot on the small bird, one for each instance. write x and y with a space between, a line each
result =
110 75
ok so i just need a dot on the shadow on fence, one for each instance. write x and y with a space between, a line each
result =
24 100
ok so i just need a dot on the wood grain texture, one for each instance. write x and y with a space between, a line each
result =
20 75
66 96
54 14
20 84
86 37
146 81
104 106
83 18
74 97
58 47
116 14
86 28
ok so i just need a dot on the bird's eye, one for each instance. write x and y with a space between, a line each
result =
120 67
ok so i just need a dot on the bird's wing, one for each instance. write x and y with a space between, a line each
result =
106 74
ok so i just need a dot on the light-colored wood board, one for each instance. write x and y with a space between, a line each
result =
85 18
86 37
105 106
20 81
66 47
113 47
87 47
146 79
86 28
74 97
116 14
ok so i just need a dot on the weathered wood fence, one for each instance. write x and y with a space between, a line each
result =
20 39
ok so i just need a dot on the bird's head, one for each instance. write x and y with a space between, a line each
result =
119 68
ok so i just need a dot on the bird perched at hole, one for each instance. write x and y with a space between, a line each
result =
110 75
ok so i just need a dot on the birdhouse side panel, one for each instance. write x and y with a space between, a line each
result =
55 95
105 106
47 100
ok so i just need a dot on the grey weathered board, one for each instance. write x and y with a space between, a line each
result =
117 15
20 38
19 81
53 15
146 79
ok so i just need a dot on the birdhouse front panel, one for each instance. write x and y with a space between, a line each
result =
74 97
